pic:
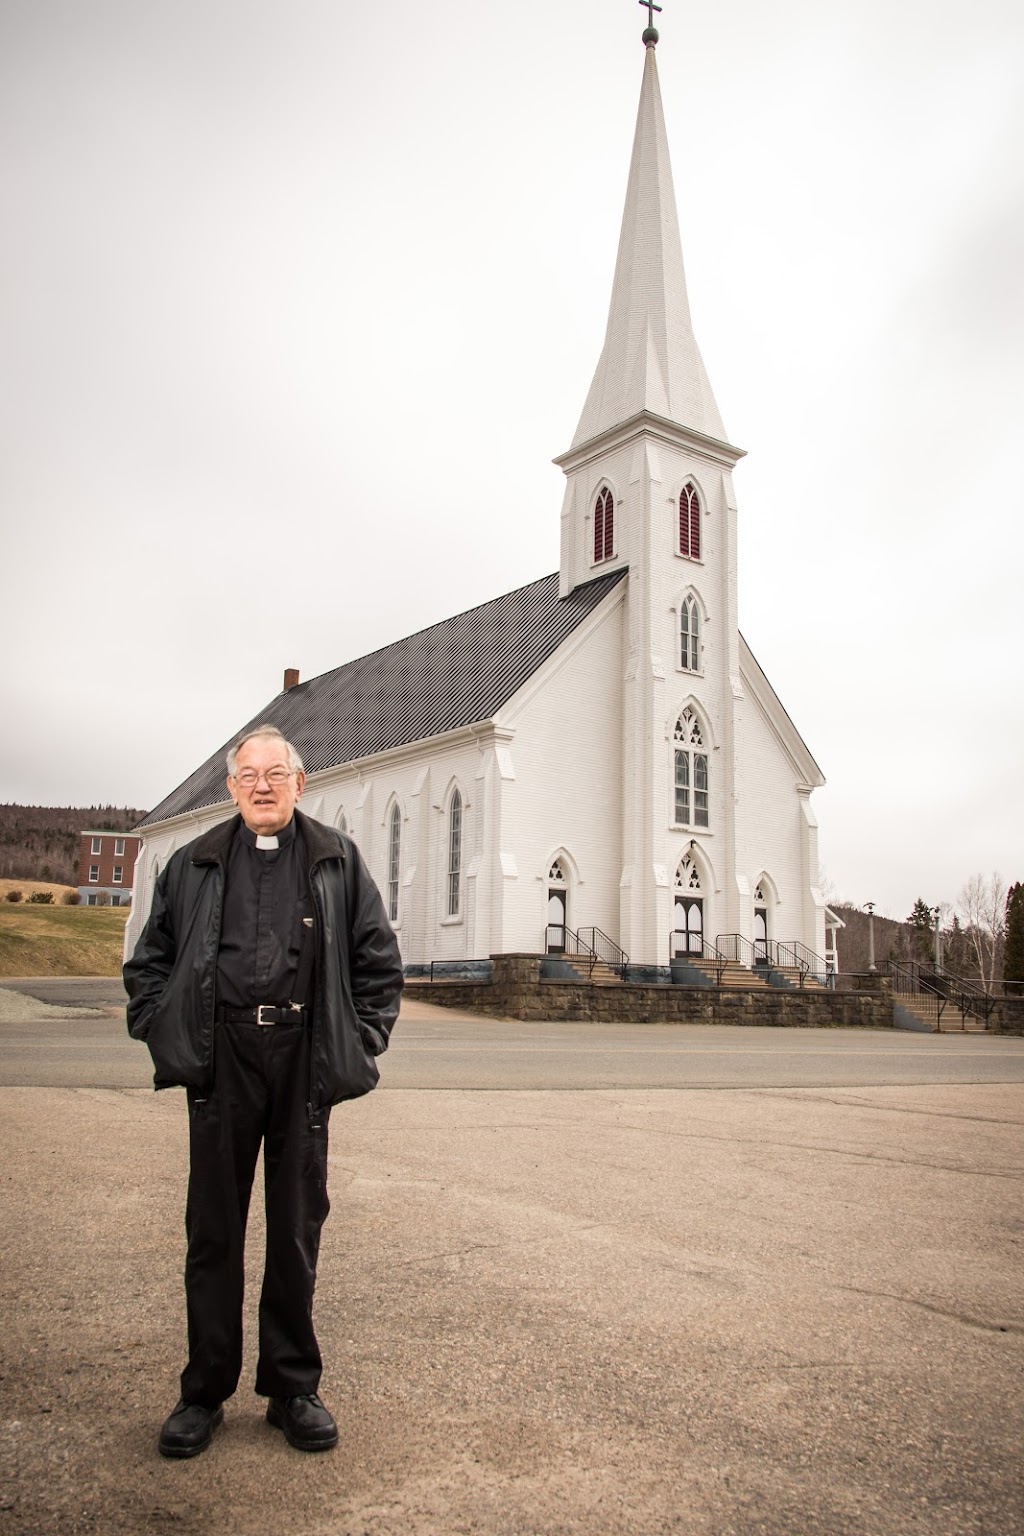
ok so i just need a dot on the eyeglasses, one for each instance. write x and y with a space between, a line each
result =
275 777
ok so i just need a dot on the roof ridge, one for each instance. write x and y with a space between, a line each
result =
457 672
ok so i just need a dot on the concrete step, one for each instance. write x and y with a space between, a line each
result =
793 975
924 1008
920 1009
733 973
602 973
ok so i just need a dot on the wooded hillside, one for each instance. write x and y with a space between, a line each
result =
40 842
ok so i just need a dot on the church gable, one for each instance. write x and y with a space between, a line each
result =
777 720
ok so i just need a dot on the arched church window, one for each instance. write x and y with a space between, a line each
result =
454 853
688 876
689 635
691 772
394 861
760 924
557 912
604 526
341 822
689 522
688 909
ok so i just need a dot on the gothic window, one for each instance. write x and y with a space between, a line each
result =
557 913
341 821
689 522
689 635
454 853
394 856
691 772
687 877
688 909
604 526
760 924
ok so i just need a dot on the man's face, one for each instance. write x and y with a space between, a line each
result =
265 807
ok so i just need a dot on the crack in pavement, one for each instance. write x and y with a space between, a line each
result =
937 1311
761 1143
855 1102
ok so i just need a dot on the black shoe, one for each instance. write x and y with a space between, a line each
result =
306 1423
189 1429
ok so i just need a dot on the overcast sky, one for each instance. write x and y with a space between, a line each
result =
298 301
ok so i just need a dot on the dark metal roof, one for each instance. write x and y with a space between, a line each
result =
454 674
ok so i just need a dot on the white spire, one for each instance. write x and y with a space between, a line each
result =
650 359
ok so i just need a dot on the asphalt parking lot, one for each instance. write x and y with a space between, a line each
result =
705 1281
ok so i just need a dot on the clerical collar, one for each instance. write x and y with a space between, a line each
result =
264 842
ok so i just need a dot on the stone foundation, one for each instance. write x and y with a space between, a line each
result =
517 991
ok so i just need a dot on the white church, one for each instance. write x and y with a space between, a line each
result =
595 762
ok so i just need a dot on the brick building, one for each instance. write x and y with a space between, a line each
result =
106 867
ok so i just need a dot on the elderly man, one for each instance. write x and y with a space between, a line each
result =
265 983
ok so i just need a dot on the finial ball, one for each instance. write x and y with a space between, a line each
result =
650 36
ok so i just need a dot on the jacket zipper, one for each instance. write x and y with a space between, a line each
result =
312 1109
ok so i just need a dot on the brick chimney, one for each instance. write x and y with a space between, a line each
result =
291 678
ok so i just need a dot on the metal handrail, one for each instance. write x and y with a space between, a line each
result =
605 949
787 957
914 978
908 982
969 998
756 957
707 952
816 962
819 970
574 946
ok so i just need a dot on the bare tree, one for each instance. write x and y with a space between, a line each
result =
982 905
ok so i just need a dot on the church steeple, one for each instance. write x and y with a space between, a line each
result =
650 360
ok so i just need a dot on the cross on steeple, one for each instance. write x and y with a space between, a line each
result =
651 8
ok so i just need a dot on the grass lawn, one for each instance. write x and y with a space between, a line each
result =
29 887
61 941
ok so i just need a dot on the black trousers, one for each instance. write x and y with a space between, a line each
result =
260 1093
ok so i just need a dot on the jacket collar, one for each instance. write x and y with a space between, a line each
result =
321 842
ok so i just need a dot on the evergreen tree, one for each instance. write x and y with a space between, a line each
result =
956 949
921 920
1013 953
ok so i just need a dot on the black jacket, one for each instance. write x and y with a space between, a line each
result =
171 977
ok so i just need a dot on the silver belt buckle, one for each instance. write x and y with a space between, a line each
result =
262 1008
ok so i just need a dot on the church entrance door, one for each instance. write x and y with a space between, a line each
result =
689 935
556 921
761 933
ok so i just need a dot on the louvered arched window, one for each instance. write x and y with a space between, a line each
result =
689 635
689 521
394 861
604 526
691 772
454 853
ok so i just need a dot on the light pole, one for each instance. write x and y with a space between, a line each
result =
870 909
937 914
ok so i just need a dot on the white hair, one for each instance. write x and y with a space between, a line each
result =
272 733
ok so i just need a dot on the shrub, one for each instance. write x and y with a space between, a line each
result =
71 898
13 895
42 898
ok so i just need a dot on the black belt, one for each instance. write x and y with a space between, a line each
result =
265 1013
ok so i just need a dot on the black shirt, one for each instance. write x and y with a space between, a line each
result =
265 899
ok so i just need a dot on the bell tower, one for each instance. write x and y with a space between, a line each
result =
649 487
